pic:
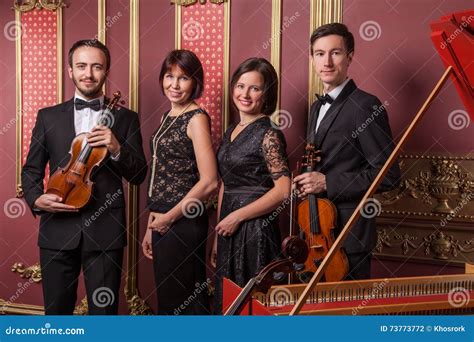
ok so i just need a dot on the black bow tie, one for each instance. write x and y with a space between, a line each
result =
81 104
324 99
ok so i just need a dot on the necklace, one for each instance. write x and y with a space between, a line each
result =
156 140
250 121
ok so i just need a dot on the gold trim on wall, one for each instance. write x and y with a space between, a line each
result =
321 12
7 308
225 80
275 56
101 11
131 288
59 56
177 29
19 108
29 5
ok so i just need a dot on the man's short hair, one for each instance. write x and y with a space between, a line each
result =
337 29
90 43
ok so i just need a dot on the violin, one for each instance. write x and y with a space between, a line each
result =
295 252
72 183
316 221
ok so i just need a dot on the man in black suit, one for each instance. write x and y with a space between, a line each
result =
94 236
351 129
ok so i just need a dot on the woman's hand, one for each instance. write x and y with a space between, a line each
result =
159 222
229 224
147 245
213 257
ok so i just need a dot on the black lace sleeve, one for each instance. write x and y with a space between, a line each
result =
274 152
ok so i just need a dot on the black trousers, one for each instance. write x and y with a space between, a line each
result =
60 271
359 266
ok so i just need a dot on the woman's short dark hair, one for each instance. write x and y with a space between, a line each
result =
190 64
270 81
90 43
337 29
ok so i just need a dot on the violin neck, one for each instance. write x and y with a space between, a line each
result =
244 296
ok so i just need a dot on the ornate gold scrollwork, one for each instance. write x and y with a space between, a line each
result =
406 242
137 306
444 180
82 309
193 2
33 272
28 5
383 239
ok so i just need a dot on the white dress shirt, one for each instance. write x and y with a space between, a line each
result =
86 118
324 108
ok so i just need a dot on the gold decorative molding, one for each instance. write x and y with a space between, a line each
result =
29 5
177 28
82 309
138 306
131 288
7 308
33 272
275 53
321 12
19 109
433 186
59 56
101 12
435 245
225 80
194 2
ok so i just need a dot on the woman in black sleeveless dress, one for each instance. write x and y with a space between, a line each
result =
183 175
255 179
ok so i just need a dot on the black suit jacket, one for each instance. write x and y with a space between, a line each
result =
355 139
101 223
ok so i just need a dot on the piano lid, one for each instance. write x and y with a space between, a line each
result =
453 38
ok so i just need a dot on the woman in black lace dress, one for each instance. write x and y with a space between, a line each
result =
183 175
255 179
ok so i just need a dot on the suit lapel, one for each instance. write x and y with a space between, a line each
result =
67 117
332 112
313 118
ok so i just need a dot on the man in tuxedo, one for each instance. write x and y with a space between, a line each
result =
351 129
94 236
